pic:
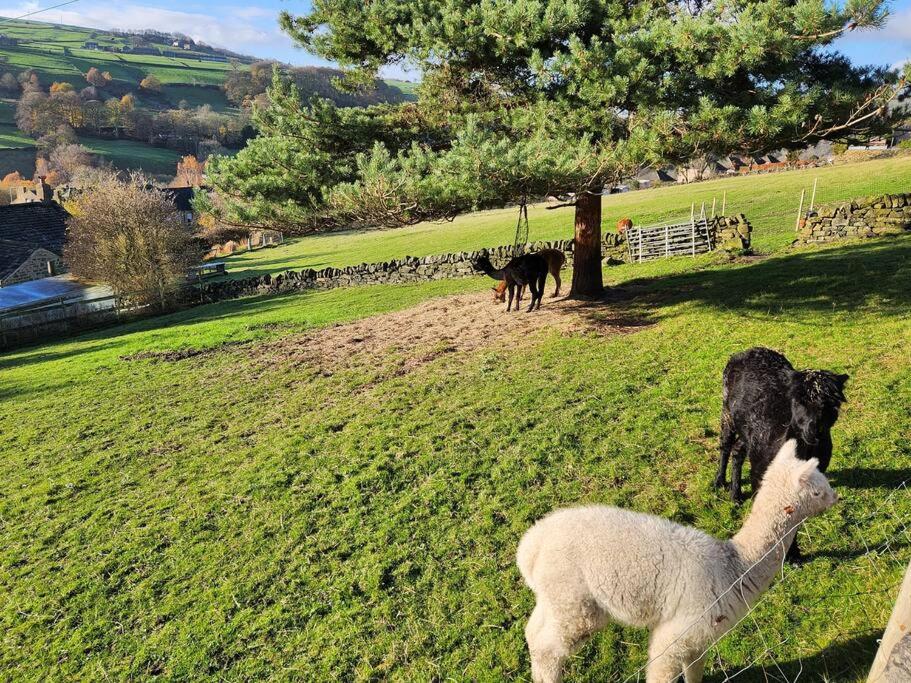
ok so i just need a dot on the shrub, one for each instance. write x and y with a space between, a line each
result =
130 236
151 83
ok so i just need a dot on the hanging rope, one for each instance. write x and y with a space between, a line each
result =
522 225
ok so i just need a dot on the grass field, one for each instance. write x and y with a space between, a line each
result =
247 513
128 154
769 201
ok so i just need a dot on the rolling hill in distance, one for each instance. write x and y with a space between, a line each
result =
191 75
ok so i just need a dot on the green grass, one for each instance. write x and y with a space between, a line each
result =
241 515
22 160
769 201
129 154
12 138
196 96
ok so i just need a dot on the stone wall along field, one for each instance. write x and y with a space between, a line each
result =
732 233
865 217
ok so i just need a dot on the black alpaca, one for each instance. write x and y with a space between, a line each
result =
765 401
528 269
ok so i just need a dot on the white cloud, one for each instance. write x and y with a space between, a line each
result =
897 28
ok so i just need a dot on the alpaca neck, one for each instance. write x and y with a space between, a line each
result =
764 539
491 272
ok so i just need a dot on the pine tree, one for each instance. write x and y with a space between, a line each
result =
521 98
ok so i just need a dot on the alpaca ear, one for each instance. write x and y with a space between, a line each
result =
788 450
807 470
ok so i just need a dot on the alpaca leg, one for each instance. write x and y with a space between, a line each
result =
541 283
666 654
533 286
737 459
512 291
695 669
545 647
726 443
555 633
556 275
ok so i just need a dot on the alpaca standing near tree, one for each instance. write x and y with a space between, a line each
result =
590 565
555 258
529 269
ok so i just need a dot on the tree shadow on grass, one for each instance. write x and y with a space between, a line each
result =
845 660
801 284
870 477
28 355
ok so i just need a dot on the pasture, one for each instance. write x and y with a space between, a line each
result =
770 202
130 154
283 487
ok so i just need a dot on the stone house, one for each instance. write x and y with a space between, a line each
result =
31 241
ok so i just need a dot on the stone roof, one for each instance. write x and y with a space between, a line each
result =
27 227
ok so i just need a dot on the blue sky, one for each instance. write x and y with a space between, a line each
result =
251 27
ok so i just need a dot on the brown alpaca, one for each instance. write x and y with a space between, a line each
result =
624 224
555 260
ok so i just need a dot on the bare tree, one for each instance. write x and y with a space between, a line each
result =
66 159
130 236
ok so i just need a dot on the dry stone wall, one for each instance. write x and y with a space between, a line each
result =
865 217
729 233
396 271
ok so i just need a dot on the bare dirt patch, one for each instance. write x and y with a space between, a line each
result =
467 322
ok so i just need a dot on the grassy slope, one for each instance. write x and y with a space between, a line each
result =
232 516
129 154
769 201
185 79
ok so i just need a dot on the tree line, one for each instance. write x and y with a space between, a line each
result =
97 110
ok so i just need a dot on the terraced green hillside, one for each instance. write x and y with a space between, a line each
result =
59 54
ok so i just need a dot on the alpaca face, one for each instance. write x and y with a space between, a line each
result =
814 493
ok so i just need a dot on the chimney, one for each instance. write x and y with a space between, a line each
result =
44 192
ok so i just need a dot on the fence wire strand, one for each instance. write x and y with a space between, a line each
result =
882 559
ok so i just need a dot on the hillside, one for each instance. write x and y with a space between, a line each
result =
242 491
191 75
770 201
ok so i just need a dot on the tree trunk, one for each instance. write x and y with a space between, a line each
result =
587 281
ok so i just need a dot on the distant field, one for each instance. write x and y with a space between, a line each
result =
22 160
12 138
127 154
197 96
769 201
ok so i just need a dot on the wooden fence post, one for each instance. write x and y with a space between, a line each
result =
724 203
667 241
714 199
899 626
813 197
800 209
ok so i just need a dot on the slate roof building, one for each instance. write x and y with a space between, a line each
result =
31 241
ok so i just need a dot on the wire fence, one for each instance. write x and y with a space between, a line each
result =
856 603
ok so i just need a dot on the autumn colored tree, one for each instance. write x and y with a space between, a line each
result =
61 87
130 236
97 78
191 172
151 83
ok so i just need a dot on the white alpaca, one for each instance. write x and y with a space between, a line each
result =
593 564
